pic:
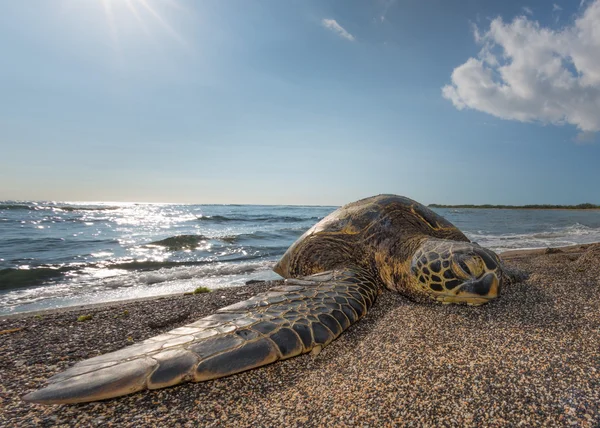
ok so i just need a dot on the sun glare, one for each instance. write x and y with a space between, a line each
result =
143 12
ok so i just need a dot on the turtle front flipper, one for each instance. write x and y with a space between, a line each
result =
288 320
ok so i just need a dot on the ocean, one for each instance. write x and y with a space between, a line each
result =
58 254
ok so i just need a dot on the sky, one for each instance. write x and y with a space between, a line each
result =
300 101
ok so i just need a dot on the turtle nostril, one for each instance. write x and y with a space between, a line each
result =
489 261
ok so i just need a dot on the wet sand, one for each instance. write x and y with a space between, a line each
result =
531 357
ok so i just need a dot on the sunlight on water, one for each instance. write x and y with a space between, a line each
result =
100 252
96 252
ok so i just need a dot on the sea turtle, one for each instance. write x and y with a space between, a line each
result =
334 273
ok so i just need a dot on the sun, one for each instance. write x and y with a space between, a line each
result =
142 11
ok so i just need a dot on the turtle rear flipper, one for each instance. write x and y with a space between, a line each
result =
286 321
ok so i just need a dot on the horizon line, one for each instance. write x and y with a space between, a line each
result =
433 204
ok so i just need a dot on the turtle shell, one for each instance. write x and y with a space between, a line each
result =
352 235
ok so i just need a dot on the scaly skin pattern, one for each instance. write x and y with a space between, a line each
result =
445 269
299 317
334 273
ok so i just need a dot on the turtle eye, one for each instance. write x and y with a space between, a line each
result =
468 267
460 269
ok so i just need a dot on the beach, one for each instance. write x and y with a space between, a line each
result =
531 357
195 188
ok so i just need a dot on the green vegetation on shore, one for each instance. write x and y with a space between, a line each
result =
586 206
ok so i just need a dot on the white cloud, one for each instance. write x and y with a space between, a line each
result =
527 72
527 10
332 25
556 8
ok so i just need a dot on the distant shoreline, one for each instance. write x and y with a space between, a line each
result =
578 207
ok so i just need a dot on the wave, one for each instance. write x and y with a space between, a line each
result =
180 242
265 219
207 270
145 265
262 235
576 229
151 264
16 207
49 241
191 242
17 278
81 208
12 278
554 237
68 208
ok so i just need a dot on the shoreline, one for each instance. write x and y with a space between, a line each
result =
571 249
511 208
529 357
92 306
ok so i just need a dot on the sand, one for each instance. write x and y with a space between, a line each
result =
531 357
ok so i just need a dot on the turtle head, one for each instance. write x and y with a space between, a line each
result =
457 272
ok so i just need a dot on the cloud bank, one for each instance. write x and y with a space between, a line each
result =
331 24
528 73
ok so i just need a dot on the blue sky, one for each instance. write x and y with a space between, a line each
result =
300 102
